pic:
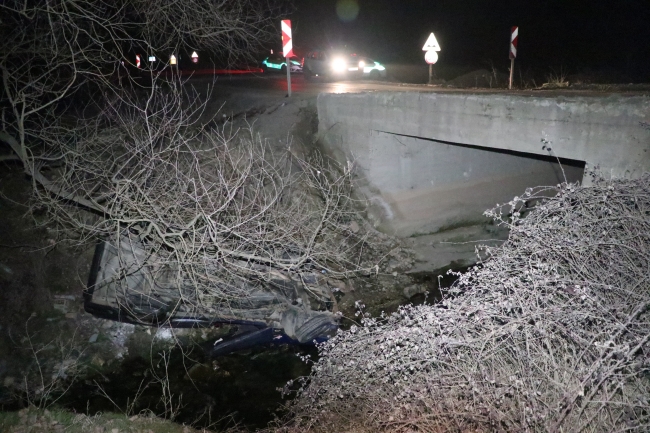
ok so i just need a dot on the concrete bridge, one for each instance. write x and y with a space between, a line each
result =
431 161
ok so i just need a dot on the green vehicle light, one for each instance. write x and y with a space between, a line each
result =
272 65
377 66
278 65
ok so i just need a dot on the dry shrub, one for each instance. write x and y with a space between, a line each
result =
548 333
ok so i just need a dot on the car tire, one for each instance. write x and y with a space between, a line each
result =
318 326
374 75
265 69
284 69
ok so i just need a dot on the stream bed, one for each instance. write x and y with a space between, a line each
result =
236 388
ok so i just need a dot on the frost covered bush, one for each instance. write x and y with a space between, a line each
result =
548 333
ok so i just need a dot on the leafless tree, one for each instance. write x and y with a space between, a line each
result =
129 162
55 54
213 205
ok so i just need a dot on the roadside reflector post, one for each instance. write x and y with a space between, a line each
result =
287 51
514 38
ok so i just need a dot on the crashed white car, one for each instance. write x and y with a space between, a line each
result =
127 284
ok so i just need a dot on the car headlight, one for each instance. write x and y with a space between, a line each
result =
339 65
362 64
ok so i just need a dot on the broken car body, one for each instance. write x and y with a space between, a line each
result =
127 284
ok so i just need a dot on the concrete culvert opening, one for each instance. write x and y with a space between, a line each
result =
433 193
434 185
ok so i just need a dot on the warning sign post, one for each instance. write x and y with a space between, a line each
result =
287 50
431 46
514 38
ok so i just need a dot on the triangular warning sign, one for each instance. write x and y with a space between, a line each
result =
431 44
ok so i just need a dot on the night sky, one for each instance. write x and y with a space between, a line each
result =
585 35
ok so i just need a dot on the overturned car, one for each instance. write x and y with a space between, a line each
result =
129 284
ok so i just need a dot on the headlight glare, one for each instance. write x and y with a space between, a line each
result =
339 65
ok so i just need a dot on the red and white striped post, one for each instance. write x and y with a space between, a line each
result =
287 50
514 38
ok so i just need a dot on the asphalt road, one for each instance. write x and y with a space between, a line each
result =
277 84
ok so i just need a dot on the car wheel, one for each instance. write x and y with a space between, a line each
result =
265 69
374 75
284 69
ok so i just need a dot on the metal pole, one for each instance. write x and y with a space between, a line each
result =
288 77
512 71
430 72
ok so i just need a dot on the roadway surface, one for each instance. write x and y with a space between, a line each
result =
275 84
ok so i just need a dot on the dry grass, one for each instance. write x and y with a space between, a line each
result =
548 334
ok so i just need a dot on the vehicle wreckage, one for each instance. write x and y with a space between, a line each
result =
129 284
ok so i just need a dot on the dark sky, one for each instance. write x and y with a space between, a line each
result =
573 34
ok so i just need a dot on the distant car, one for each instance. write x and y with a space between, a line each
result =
371 68
332 64
275 62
